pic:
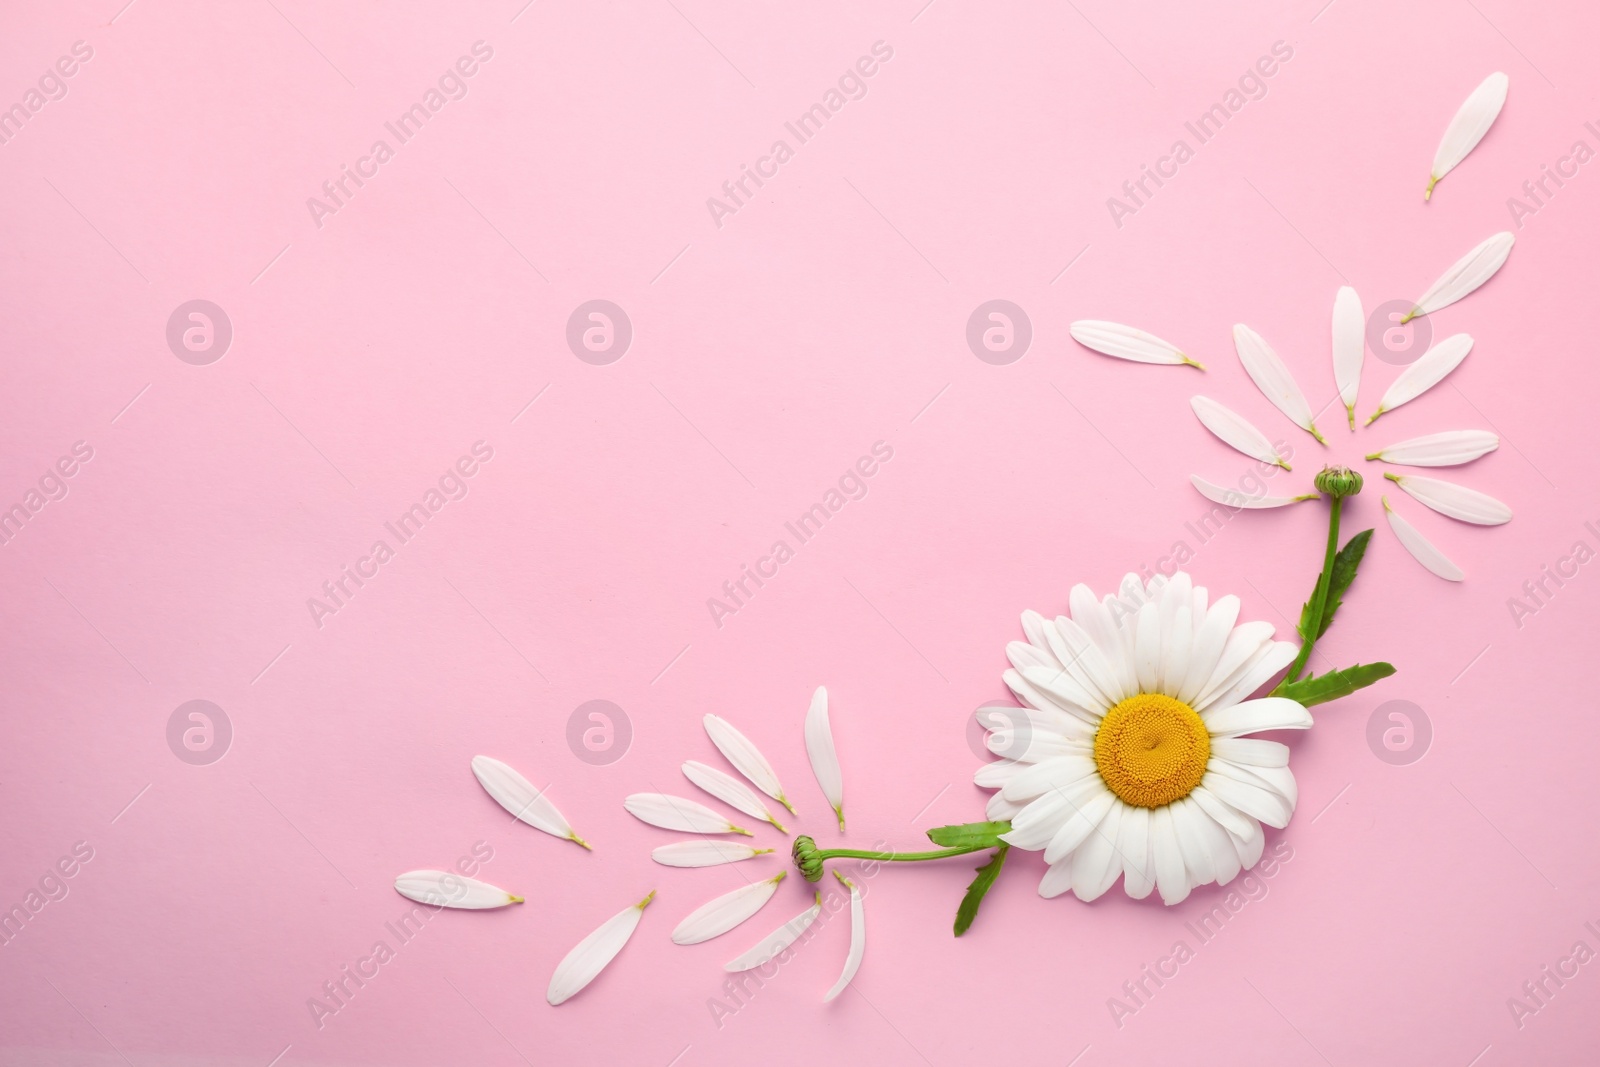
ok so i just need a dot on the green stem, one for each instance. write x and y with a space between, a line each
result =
899 857
1319 598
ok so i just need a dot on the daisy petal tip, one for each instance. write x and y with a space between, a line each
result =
578 840
1350 413
645 903
1195 363
518 900
839 811
1373 417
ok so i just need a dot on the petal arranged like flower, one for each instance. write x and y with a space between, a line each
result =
1456 501
1465 275
824 757
1472 121
728 789
591 955
1349 347
1273 378
1125 342
858 940
1428 371
775 942
1252 716
1235 431
716 917
746 758
1448 449
705 853
446 889
1421 549
518 796
677 813
1236 499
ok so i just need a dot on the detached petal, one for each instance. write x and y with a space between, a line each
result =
1349 347
1465 275
704 853
1472 121
777 941
1448 449
446 889
716 917
1456 501
1234 498
728 789
1235 431
677 813
518 796
591 955
746 758
1421 549
1125 342
1428 371
858 940
1273 378
824 757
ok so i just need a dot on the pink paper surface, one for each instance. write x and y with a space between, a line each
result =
379 339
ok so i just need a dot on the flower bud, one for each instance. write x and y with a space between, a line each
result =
808 858
1338 482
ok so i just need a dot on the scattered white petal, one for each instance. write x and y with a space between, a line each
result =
1428 371
591 955
858 939
1273 378
518 796
1456 501
1468 272
1477 114
1448 449
1349 347
777 941
1125 342
824 757
1233 430
1423 550
1235 498
746 758
728 789
677 813
716 917
705 853
446 889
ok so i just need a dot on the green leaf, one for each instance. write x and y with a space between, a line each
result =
1343 573
975 835
980 885
1319 689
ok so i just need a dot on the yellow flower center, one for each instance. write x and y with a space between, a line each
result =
1152 750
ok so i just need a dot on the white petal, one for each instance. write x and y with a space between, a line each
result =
858 940
1056 773
1056 880
1096 864
1209 642
1251 716
1098 621
1223 815
1428 371
1172 879
1448 449
1219 842
1251 751
1236 499
1063 691
591 955
1176 645
705 853
728 789
1147 647
678 813
824 757
1255 801
1349 347
995 775
716 917
446 889
1125 342
777 941
1472 121
1257 673
1465 275
1235 431
1456 501
1422 550
1079 825
999 809
1245 643
1080 655
1187 825
1037 824
518 796
1133 842
746 759
1273 378
1249 848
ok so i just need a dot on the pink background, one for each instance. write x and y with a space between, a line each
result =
768 354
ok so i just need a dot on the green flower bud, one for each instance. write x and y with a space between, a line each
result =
808 858
1338 482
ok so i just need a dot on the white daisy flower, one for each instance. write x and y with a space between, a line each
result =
1130 755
